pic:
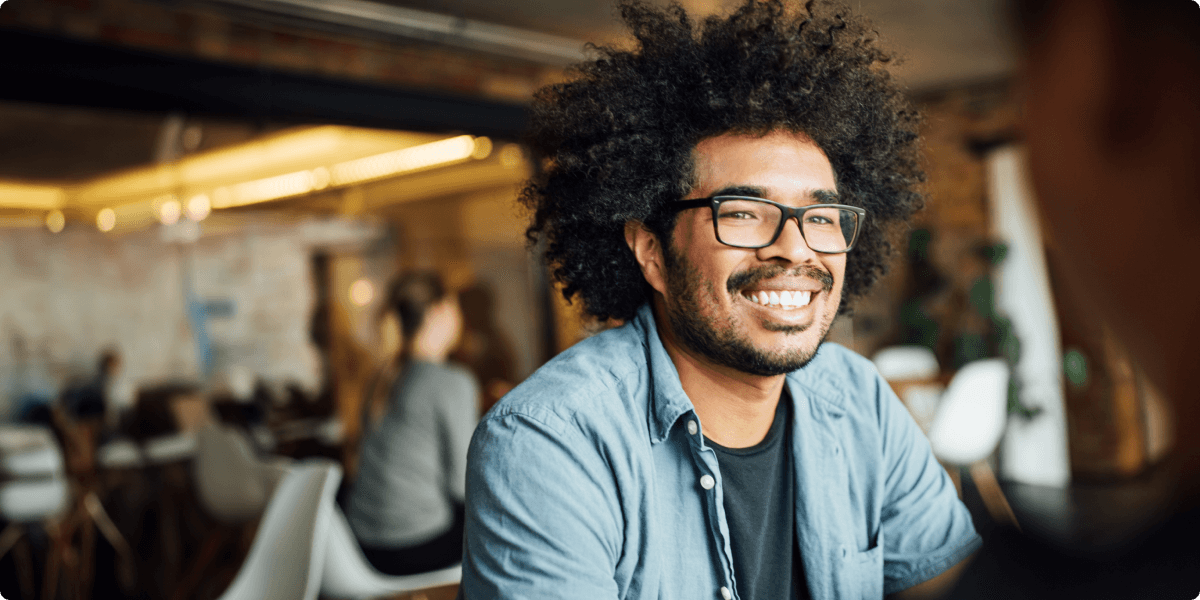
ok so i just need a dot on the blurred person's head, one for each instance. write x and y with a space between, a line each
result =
634 132
1112 123
430 319
109 363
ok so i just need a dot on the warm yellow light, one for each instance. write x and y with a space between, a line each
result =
270 189
362 292
320 178
403 161
31 196
511 156
199 207
483 148
55 221
169 211
106 219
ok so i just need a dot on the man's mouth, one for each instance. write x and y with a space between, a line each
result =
785 299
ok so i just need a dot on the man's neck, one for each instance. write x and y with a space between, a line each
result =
736 408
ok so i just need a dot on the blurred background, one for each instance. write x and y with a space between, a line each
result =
202 203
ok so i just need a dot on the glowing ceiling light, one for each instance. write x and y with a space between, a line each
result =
483 148
270 188
362 292
106 219
31 196
55 221
199 207
169 211
404 161
320 178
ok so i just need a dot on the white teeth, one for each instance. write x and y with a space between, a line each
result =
781 299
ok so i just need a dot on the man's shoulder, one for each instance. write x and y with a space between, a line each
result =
603 377
841 377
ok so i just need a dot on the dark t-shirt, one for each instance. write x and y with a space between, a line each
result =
759 490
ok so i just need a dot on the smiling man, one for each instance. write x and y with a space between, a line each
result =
725 189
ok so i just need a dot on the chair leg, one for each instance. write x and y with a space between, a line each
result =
993 498
23 559
9 537
54 557
126 570
213 543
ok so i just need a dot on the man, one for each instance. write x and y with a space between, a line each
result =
722 190
1112 125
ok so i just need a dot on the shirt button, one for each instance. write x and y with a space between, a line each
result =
725 593
707 482
693 427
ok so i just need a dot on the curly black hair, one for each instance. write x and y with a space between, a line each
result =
616 141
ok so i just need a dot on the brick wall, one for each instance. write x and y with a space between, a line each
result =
67 296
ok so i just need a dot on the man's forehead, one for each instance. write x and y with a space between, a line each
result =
775 164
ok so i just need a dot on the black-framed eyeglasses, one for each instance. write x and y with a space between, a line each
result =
748 222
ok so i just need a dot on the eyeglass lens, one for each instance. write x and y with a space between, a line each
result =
752 223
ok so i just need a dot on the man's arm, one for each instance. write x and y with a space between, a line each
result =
928 534
543 519
938 587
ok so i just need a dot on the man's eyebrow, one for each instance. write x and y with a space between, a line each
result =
826 196
742 190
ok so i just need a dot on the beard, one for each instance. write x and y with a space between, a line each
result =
720 339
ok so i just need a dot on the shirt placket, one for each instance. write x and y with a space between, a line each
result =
709 485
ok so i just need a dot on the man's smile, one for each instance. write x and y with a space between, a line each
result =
784 299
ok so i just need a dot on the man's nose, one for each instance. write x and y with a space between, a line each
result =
790 245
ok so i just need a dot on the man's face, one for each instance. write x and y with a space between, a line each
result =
710 286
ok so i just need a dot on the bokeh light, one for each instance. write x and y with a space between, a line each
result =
362 292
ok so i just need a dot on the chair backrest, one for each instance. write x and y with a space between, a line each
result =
29 451
33 484
896 363
972 414
348 574
288 554
227 475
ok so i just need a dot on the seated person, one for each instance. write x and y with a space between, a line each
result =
725 189
406 506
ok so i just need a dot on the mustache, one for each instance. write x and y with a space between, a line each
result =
749 277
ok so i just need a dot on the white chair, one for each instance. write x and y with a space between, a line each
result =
912 371
348 574
233 486
906 363
34 489
969 424
232 483
287 557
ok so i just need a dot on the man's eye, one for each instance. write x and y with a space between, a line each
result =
739 215
819 220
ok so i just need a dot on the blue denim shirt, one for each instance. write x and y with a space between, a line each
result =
588 481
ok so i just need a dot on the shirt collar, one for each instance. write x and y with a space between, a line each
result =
668 401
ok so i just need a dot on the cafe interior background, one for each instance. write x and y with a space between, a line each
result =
214 194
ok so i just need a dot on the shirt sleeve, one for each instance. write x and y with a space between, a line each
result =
543 520
926 529
460 414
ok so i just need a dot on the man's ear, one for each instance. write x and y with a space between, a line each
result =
648 251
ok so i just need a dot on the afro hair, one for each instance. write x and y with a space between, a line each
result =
616 140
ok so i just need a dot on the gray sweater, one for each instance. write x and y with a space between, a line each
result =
412 466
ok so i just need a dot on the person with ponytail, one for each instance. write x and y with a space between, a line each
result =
406 506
